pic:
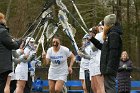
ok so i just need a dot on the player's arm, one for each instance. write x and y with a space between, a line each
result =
45 59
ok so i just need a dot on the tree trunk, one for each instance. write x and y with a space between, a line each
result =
8 9
94 12
137 28
128 28
119 17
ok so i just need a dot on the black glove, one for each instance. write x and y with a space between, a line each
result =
19 41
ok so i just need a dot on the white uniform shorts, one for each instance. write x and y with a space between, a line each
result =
22 76
94 71
21 73
12 75
82 73
58 77
94 67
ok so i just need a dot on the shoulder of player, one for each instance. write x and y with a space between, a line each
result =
64 47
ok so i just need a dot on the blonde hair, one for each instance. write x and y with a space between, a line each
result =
106 29
2 18
127 57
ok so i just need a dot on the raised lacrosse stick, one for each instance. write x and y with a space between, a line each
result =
79 14
64 8
66 27
46 6
51 30
42 35
42 42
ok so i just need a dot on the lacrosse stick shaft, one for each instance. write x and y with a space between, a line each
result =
45 26
72 40
38 33
85 30
42 43
33 78
79 14
43 47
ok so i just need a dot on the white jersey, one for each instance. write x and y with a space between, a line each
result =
95 61
23 65
99 36
84 64
58 66
22 68
91 49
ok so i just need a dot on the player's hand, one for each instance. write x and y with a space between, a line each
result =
43 54
70 70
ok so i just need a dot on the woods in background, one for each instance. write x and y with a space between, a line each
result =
21 13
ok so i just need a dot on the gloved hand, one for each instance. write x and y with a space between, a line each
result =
31 57
19 41
38 63
78 59
80 53
124 66
22 58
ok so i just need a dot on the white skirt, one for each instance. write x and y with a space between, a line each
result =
82 73
94 71
94 67
22 76
58 77
21 72
12 75
58 74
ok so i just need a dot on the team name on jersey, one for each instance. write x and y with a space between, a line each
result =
56 57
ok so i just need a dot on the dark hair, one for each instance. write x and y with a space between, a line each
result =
101 23
94 30
56 36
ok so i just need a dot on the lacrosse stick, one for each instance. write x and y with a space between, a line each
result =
64 8
45 14
41 40
46 6
64 22
51 30
38 32
79 14
68 30
45 17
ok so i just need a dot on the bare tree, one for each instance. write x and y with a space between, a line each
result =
8 9
119 18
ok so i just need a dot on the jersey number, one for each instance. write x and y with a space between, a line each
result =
57 61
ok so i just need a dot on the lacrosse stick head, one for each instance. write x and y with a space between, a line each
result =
46 13
73 30
51 30
61 5
62 18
